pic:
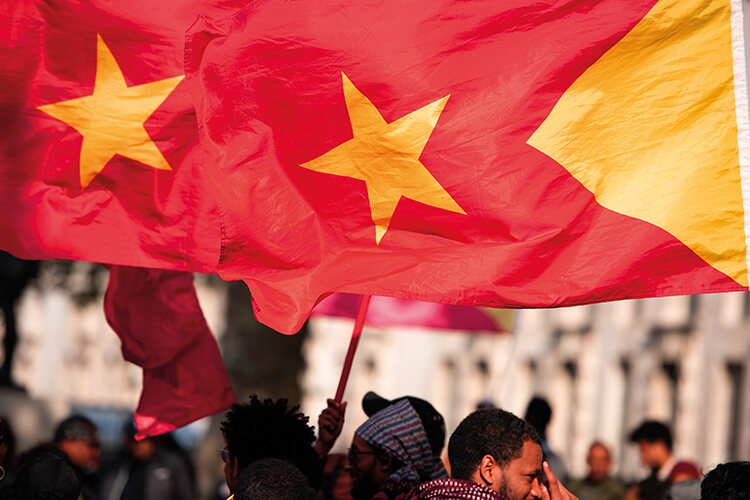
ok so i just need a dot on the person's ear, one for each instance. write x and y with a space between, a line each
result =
235 468
487 470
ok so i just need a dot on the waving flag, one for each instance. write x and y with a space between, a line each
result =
97 134
158 318
98 162
495 153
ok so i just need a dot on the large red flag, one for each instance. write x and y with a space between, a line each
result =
97 135
498 153
159 321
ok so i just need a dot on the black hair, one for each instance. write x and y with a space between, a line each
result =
489 431
273 478
270 429
729 481
652 431
538 414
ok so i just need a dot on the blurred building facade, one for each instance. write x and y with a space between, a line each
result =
69 359
604 368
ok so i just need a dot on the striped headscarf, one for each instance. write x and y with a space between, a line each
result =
398 430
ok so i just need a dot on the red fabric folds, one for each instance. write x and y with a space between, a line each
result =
158 318
275 87
134 211
131 212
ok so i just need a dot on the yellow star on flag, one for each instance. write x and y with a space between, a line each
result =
386 157
111 119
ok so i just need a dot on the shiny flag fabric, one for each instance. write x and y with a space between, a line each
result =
98 133
493 153
98 163
158 318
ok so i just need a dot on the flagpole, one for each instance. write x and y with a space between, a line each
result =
359 323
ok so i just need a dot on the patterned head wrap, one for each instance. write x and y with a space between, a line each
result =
398 430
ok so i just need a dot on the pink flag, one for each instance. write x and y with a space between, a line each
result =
158 318
390 311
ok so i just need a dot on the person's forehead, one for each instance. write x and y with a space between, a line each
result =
87 441
360 444
530 460
599 450
642 443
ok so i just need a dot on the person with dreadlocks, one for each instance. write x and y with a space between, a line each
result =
391 453
268 429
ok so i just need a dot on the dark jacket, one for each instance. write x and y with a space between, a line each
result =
164 476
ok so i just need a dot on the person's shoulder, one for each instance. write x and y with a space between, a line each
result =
576 483
614 485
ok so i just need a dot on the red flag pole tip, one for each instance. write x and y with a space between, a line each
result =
359 323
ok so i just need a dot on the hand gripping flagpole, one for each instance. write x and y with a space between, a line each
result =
356 333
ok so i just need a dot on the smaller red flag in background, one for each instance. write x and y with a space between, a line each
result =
158 318
383 312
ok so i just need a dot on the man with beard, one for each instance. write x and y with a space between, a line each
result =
391 454
495 455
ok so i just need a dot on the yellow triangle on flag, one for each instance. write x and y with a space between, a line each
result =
650 128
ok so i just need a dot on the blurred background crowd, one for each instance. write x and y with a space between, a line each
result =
603 369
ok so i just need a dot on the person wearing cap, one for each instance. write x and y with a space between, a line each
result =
331 421
78 438
432 421
391 453
494 455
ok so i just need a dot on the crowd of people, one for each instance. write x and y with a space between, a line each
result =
69 468
272 452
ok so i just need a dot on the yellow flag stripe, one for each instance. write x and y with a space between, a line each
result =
742 108
651 130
